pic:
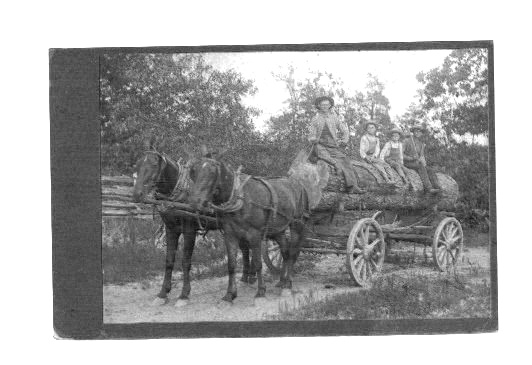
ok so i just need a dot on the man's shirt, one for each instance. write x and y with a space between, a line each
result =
333 122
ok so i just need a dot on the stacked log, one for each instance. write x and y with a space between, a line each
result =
379 195
117 199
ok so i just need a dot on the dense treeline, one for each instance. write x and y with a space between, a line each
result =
185 102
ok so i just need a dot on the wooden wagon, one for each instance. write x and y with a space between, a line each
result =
363 235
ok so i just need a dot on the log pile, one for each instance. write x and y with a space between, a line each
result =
332 195
117 199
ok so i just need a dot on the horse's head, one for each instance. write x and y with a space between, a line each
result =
205 174
148 171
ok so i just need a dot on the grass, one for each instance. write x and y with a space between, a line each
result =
413 295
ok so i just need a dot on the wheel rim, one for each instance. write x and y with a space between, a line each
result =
271 254
365 251
447 244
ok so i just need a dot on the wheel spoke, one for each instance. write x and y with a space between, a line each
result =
440 254
450 253
366 233
374 264
368 269
442 242
372 244
356 261
363 270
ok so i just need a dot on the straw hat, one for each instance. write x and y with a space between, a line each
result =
321 98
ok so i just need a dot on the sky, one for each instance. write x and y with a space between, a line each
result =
396 69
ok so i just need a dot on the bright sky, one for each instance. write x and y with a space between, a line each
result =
396 69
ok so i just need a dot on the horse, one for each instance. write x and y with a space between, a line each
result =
156 171
252 208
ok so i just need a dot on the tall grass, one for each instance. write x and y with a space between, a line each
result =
125 261
414 295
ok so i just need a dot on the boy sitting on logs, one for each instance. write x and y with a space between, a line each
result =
392 154
370 149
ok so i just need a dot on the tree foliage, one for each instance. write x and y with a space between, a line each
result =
181 100
290 128
456 94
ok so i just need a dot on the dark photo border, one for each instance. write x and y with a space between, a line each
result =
76 209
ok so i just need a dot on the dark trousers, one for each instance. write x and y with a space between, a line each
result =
427 175
341 161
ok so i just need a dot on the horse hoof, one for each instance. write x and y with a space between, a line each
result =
181 303
159 301
279 284
224 304
286 292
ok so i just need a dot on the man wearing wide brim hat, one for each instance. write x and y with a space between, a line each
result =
414 158
392 154
323 134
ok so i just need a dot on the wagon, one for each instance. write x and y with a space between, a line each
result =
363 235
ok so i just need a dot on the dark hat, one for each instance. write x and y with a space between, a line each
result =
321 98
395 130
418 126
366 124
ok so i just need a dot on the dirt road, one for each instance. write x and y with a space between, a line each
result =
134 302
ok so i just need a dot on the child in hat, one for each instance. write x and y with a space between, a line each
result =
370 149
392 154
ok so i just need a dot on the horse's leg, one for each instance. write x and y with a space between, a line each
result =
231 244
188 248
257 264
296 238
245 258
284 248
172 237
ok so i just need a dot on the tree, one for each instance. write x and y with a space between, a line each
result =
456 94
180 99
292 125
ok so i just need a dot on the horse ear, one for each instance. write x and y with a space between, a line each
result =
204 151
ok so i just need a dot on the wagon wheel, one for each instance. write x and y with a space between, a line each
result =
365 251
447 243
271 255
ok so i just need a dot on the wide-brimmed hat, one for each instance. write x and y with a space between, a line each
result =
418 126
321 98
366 124
395 130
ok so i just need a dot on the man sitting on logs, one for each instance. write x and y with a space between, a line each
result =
323 135
370 149
414 158
392 154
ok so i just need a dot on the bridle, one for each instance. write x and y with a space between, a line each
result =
236 198
163 161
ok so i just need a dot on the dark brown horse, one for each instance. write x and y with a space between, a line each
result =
156 171
251 209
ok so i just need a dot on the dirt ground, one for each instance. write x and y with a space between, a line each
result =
133 302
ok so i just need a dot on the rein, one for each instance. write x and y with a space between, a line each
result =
236 199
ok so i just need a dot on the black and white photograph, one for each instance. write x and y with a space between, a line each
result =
305 184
